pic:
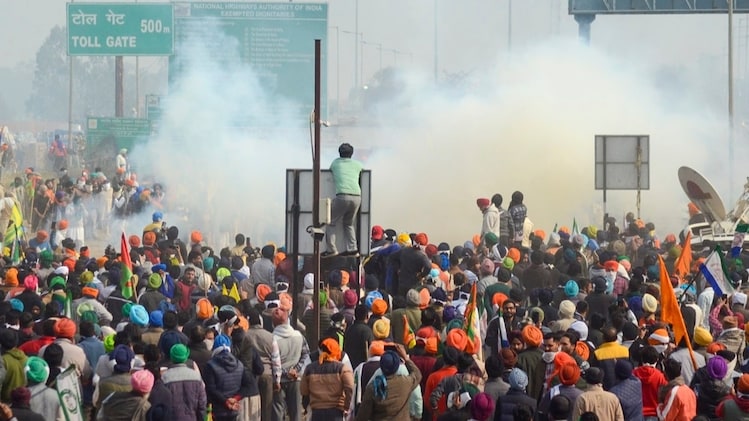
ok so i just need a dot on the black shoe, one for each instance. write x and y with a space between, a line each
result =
328 254
352 253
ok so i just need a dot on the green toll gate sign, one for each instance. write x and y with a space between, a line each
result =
120 29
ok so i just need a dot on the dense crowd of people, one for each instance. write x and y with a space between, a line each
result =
514 324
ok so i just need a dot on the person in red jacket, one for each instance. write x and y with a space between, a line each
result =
652 379
736 407
450 359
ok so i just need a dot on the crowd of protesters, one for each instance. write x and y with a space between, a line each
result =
514 324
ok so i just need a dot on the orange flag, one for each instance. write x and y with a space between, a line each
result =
409 338
671 313
684 261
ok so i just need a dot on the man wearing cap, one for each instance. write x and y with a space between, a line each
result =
731 336
346 172
378 239
89 302
408 265
152 297
490 217
628 390
188 393
45 400
156 224
72 354
605 404
412 315
132 404
736 407
530 360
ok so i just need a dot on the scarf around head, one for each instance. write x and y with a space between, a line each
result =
329 351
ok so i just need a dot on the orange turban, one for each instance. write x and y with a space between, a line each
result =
379 306
514 254
65 328
377 348
476 240
11 277
714 347
196 237
421 239
90 292
424 298
432 344
582 350
261 291
540 234
100 262
149 238
134 241
499 299
532 336
62 225
457 338
329 350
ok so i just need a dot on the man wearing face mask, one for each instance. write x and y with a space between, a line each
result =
551 348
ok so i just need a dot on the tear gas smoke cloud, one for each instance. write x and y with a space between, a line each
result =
227 177
528 125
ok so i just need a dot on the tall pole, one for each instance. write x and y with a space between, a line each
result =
119 103
509 25
137 84
316 196
436 62
356 45
70 102
337 73
361 58
730 97
379 47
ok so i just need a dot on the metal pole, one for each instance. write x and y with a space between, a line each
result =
119 103
509 25
379 47
316 197
730 97
70 102
361 58
356 45
137 84
337 73
436 61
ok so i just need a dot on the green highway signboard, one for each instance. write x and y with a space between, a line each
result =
275 41
117 132
120 29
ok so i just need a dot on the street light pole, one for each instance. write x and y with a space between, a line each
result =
356 43
731 134
337 70
436 71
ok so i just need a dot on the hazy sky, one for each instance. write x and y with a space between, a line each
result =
470 32
674 87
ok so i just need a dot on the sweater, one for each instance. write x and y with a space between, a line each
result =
188 393
629 392
226 377
329 385
395 405
45 401
605 404
293 351
15 375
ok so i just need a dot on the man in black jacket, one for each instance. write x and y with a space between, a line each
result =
227 382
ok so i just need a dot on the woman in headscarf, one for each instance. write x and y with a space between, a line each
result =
387 396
